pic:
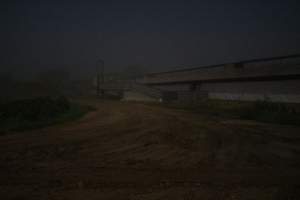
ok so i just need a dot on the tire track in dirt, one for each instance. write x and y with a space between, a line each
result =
149 152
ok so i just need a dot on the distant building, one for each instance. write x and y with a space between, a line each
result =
276 79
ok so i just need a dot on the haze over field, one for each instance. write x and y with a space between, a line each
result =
159 35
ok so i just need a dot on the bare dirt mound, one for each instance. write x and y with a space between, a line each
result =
137 151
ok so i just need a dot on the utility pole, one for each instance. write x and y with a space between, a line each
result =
100 76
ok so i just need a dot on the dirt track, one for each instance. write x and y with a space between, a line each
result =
137 151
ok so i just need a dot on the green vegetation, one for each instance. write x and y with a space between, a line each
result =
273 112
262 111
28 114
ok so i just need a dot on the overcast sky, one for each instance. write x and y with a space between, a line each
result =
161 35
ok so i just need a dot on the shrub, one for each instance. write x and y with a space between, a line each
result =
34 109
267 111
30 112
263 111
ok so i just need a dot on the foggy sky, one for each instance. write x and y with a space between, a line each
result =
160 35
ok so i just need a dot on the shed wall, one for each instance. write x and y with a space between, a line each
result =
277 90
283 91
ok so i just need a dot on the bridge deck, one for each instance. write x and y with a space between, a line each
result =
276 68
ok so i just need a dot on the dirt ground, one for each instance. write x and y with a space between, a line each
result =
141 151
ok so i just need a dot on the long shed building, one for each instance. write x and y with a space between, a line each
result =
275 79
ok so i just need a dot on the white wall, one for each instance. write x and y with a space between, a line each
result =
280 90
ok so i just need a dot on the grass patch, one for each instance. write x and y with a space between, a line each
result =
271 112
262 111
35 113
